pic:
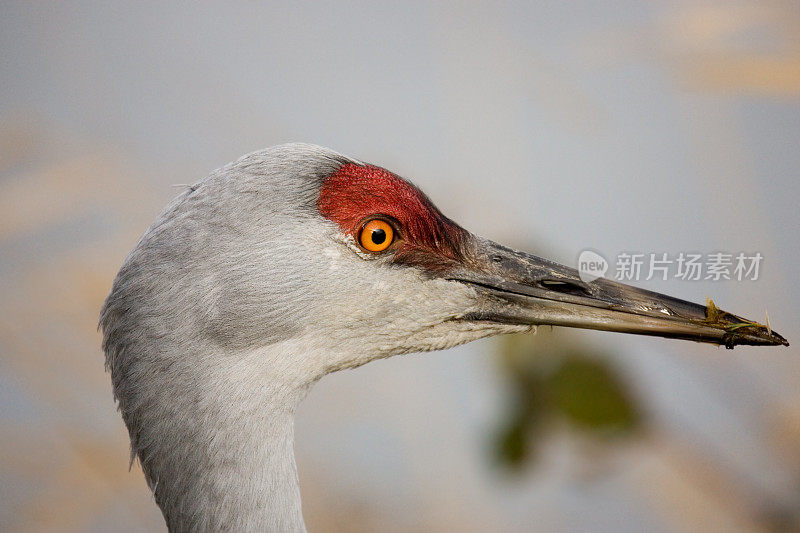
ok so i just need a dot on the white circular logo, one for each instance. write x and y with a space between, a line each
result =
591 265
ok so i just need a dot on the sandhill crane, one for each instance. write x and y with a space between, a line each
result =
294 262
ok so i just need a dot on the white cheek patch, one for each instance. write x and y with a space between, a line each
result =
335 256
350 242
379 285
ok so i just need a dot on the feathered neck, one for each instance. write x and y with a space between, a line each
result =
215 439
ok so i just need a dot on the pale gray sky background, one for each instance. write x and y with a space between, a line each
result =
553 126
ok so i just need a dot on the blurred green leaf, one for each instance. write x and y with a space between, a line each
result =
512 447
549 378
589 392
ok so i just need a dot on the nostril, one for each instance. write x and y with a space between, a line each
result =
564 286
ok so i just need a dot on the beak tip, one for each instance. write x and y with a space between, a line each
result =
755 339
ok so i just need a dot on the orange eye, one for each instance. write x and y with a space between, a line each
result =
376 235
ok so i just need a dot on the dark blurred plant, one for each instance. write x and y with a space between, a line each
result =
550 380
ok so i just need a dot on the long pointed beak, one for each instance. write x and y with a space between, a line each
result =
518 288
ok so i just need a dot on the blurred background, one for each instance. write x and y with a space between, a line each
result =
550 126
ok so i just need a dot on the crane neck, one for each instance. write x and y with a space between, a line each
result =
226 457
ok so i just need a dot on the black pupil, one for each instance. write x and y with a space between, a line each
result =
378 236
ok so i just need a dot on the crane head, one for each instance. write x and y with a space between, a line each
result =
300 243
